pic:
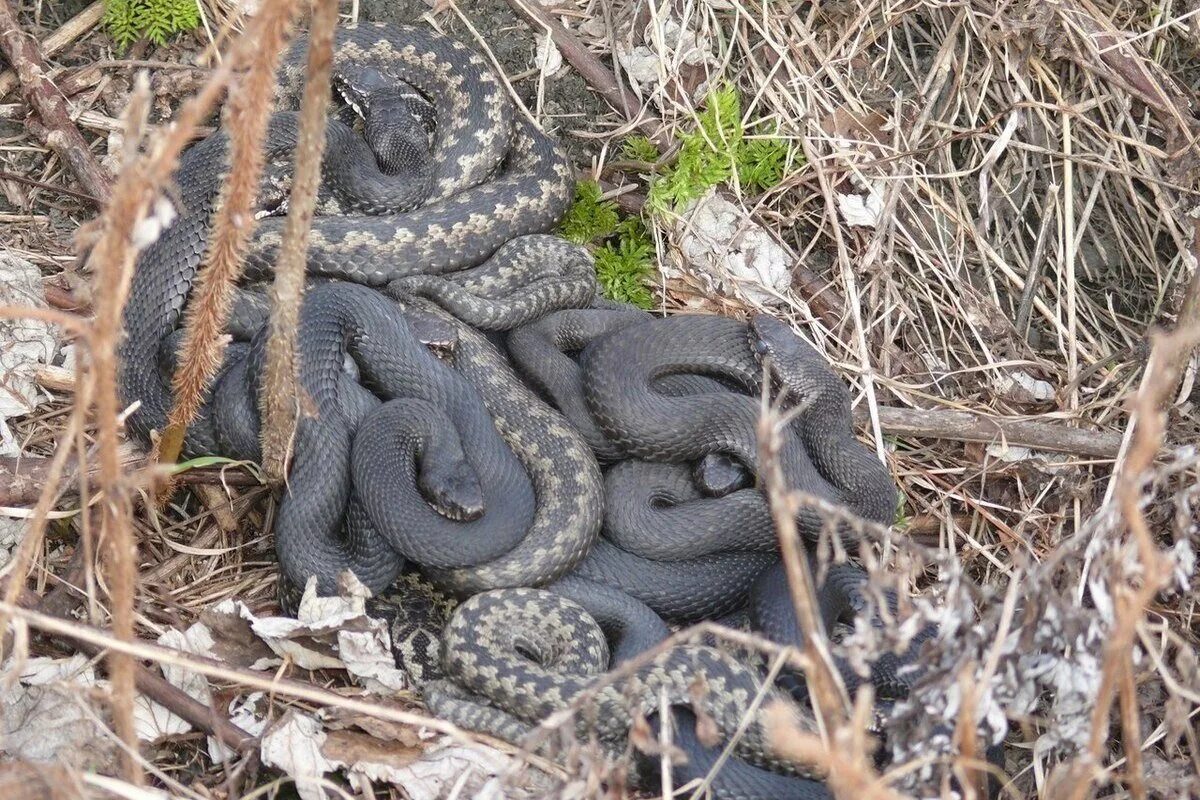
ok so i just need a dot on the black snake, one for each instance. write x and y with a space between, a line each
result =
424 432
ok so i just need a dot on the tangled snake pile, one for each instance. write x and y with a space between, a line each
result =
576 472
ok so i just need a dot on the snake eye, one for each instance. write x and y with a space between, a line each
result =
761 347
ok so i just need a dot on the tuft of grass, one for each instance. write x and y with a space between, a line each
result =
589 218
157 20
639 148
710 155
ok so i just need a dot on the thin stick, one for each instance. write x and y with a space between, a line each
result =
964 426
233 225
280 396
71 30
217 671
596 74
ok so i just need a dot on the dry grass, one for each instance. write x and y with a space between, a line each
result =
1037 184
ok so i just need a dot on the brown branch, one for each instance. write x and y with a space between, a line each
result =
247 115
61 602
214 669
828 691
72 29
50 187
280 393
56 129
595 73
22 478
966 427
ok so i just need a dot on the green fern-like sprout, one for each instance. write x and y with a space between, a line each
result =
762 163
707 155
712 153
157 20
624 266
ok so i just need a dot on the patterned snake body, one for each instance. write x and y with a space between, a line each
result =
401 435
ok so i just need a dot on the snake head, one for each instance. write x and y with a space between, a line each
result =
452 489
793 363
398 121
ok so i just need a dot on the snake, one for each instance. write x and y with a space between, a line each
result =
466 229
495 182
515 658
443 229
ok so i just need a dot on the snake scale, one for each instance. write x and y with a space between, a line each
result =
474 461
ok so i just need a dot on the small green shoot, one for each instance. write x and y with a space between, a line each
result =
624 266
761 163
710 155
639 148
624 253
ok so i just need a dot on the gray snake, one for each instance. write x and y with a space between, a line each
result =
402 434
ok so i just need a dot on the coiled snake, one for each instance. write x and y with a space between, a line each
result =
410 451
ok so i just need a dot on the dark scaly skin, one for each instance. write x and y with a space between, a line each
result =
341 319
494 179
565 476
620 372
825 423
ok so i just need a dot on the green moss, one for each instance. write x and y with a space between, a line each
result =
639 148
589 218
710 154
157 20
625 265
624 253
716 150
762 163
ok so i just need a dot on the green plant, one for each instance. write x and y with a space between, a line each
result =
625 264
639 148
157 20
589 218
761 163
624 252
710 154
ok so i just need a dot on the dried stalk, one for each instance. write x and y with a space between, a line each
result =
247 114
1167 359
280 396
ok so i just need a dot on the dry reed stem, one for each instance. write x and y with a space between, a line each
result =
112 258
829 694
1168 356
842 748
280 397
247 114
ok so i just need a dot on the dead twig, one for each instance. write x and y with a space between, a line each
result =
247 114
73 29
281 392
964 426
595 73
56 131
